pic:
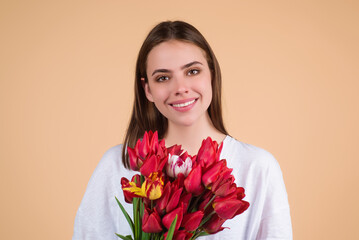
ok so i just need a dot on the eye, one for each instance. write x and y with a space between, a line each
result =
193 72
162 78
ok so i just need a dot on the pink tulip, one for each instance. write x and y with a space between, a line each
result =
178 164
151 223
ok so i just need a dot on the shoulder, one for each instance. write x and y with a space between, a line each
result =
110 165
240 153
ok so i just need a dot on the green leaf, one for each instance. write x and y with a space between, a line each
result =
203 234
128 237
136 218
145 236
171 230
128 218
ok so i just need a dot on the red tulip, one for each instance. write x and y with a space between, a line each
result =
209 153
169 199
144 150
214 225
193 182
151 188
180 235
240 193
229 208
151 223
225 187
213 173
169 217
149 166
175 150
204 201
135 162
185 198
191 221
162 202
173 202
126 184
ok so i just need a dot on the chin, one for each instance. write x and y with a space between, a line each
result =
185 122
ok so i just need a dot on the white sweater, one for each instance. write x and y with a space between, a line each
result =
268 216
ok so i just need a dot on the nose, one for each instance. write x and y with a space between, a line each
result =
180 85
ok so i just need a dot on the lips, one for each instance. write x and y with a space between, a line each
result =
183 105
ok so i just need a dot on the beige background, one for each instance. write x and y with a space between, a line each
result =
290 70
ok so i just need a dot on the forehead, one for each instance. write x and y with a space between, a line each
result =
174 54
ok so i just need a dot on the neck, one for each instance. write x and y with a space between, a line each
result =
190 137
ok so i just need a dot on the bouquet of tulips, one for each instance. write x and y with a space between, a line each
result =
178 196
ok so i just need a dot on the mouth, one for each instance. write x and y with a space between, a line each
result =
184 105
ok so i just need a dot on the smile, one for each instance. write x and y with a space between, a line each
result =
184 104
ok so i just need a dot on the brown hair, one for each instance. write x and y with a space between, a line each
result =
145 115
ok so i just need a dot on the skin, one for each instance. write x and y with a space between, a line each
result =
179 84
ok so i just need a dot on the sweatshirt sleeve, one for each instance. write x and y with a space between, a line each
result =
275 220
98 214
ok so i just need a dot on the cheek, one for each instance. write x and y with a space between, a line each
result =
158 94
205 87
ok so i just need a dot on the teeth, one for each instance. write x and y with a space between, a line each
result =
184 104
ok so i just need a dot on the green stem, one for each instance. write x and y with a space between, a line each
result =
192 207
206 219
210 201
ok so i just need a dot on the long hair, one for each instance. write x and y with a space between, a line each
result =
145 115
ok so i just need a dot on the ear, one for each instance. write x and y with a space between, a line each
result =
146 87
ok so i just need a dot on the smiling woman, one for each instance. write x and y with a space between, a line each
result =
180 84
178 94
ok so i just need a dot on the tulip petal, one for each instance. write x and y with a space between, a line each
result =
230 208
193 182
149 166
169 217
151 223
173 202
191 221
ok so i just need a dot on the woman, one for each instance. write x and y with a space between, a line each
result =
178 94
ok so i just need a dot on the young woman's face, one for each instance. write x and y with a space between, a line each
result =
179 82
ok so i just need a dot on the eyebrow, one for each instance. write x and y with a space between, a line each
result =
183 67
